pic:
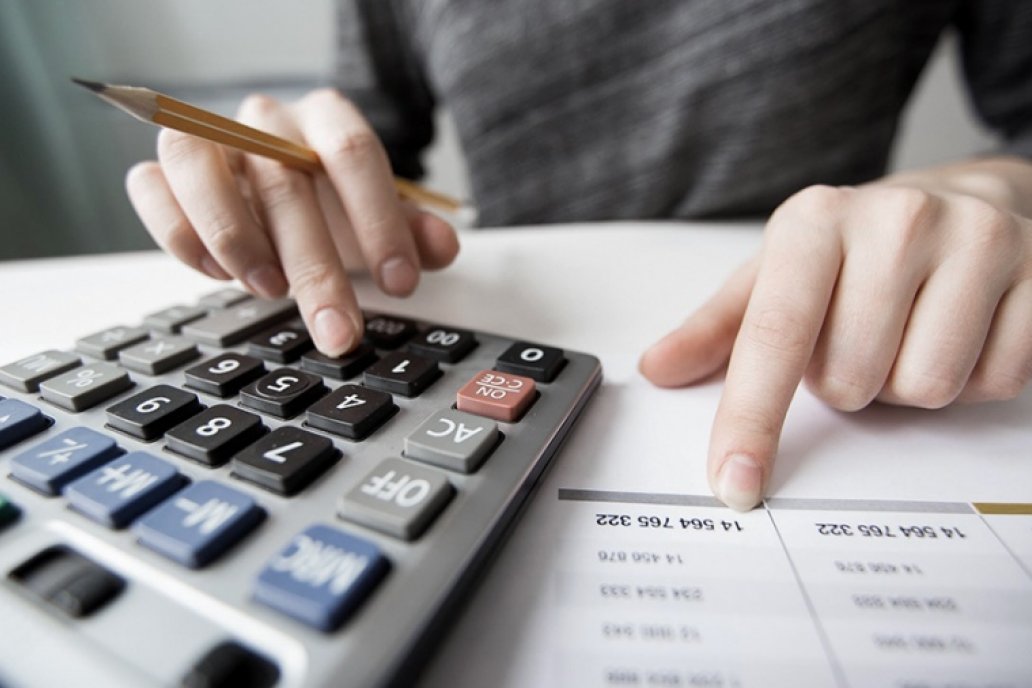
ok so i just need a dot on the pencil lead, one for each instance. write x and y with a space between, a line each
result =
95 86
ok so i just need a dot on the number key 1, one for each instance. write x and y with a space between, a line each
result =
215 434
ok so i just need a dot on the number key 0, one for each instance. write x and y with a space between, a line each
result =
215 434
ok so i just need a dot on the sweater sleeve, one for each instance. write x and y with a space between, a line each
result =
377 68
996 49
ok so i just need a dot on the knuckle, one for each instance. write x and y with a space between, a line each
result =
752 423
844 390
996 235
180 238
175 146
257 105
279 187
140 175
914 210
352 145
925 389
782 329
815 202
223 235
315 278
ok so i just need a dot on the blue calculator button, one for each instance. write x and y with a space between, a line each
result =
19 420
200 523
118 492
321 577
51 465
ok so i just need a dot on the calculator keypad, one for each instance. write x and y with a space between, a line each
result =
233 438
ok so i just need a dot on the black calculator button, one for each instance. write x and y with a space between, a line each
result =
340 367
230 665
541 363
283 393
444 344
402 373
215 434
352 411
68 581
281 344
224 375
386 332
150 413
285 460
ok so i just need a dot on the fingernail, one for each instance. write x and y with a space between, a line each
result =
213 269
740 482
267 281
398 276
334 332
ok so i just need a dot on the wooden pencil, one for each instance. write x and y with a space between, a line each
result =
157 108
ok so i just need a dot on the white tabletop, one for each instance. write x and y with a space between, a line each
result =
610 290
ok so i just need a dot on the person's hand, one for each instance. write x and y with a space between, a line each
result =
915 290
233 215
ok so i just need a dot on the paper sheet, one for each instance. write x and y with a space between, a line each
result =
884 555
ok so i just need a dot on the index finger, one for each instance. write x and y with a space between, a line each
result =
800 262
357 165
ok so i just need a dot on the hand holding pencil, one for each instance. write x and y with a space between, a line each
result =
284 224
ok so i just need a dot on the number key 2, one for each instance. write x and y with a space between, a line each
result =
223 375
215 434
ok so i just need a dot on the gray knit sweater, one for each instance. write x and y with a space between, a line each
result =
602 109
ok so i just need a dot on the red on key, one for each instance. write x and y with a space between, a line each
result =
501 396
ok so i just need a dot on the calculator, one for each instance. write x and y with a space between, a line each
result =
204 499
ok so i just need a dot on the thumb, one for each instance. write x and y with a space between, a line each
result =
702 344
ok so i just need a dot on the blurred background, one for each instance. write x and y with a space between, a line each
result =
64 153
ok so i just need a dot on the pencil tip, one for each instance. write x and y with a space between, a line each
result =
92 85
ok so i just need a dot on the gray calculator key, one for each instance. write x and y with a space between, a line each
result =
232 325
158 355
453 439
87 386
223 298
107 343
398 498
171 320
27 373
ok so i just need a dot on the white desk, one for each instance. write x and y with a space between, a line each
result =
609 290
